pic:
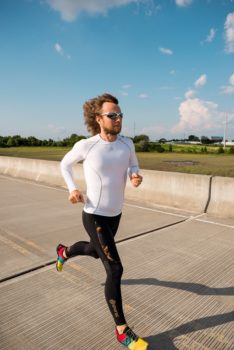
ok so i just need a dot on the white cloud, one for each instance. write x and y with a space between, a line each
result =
172 72
166 51
151 7
60 51
197 115
70 9
190 94
210 36
143 96
126 86
59 48
229 89
231 79
201 81
183 3
229 33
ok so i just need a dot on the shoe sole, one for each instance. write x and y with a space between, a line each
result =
140 344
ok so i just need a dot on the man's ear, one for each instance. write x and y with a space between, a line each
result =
98 118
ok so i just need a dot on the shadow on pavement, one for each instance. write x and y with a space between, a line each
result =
164 340
197 288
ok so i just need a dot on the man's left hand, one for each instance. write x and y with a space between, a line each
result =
136 179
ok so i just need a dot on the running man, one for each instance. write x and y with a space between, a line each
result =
108 159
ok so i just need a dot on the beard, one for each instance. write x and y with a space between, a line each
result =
115 130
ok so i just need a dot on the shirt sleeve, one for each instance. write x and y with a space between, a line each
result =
133 162
74 156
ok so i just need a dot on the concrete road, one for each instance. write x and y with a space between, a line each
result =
178 287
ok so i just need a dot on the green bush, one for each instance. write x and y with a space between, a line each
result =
220 150
145 146
156 147
142 146
203 150
231 150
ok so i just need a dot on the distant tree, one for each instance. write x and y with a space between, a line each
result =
162 140
50 142
24 141
205 140
193 138
44 143
70 141
17 140
33 141
11 142
139 138
2 143
142 146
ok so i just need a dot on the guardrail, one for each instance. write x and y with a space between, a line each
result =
191 193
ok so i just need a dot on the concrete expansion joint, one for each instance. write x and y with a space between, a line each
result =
52 262
26 272
209 194
145 233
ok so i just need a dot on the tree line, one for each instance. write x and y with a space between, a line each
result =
142 142
17 141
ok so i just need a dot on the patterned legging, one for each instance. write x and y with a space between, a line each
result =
102 230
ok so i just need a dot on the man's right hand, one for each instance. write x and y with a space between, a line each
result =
75 197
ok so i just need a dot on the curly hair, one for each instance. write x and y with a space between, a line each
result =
92 108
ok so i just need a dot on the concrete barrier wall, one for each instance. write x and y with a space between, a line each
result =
187 192
175 190
222 197
38 170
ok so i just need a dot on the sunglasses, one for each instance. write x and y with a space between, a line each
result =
113 115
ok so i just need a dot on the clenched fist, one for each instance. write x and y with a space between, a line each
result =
75 197
136 179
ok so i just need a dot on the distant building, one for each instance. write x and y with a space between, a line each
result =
228 143
194 142
216 139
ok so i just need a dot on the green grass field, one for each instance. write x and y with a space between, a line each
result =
47 153
208 164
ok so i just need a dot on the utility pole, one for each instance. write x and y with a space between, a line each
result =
225 129
134 129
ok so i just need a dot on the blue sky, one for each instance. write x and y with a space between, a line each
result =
169 62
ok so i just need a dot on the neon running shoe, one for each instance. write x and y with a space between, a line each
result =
131 340
60 259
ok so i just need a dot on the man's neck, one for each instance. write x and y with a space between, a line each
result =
108 137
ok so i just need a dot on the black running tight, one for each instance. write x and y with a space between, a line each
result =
102 230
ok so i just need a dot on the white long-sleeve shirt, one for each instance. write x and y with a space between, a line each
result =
106 165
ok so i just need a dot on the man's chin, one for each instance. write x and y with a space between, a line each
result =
114 131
